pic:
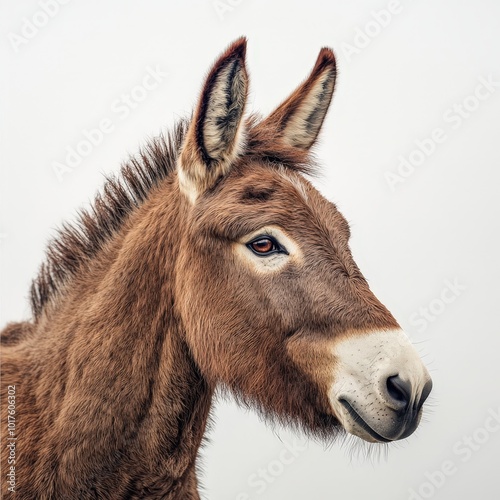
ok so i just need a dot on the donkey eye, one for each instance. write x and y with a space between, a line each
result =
265 245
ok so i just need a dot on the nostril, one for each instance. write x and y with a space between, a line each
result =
399 390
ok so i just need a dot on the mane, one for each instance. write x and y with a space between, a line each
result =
77 243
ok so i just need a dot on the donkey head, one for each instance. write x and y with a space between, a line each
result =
272 303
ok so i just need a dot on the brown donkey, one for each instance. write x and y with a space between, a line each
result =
211 261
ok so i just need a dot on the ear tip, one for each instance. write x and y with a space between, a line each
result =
326 57
237 49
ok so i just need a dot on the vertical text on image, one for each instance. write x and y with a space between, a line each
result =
11 438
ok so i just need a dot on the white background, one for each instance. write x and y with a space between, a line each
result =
439 224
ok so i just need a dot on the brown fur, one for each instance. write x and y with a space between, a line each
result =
142 309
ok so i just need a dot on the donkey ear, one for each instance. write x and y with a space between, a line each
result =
298 120
214 136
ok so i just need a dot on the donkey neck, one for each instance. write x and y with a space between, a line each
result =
126 373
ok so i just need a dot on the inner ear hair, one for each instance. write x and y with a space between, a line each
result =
221 111
299 118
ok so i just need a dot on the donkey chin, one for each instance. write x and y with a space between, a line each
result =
380 385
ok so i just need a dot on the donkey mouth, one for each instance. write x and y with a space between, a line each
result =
359 421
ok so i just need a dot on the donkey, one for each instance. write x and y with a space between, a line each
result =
211 261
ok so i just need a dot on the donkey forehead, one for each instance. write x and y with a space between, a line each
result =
255 195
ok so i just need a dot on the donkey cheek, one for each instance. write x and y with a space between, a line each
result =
314 358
